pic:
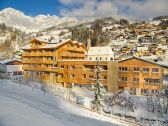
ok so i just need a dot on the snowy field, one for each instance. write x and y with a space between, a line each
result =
22 106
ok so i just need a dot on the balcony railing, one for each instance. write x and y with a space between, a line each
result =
47 61
38 54
39 68
68 54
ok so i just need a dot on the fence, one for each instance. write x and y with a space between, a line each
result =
57 90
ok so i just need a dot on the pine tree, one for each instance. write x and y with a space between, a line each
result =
100 91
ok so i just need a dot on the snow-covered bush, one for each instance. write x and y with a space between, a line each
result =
120 100
3 71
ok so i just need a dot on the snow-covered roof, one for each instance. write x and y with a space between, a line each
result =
53 44
100 51
9 60
25 47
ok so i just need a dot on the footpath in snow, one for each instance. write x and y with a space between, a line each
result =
22 106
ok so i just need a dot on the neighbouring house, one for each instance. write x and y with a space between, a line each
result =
140 76
100 53
40 58
13 66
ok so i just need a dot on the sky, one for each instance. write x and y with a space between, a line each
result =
90 8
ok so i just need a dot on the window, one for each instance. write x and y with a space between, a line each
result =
15 73
111 58
84 75
156 81
145 70
105 77
146 80
91 76
123 68
157 92
124 79
142 91
72 67
104 67
60 76
100 58
96 58
152 81
145 91
136 80
20 73
73 75
55 65
62 66
90 58
136 69
155 70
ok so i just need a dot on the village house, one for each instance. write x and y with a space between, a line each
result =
140 76
13 66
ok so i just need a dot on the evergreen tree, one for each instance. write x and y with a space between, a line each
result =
100 91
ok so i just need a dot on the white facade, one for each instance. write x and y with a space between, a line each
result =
142 48
14 69
100 53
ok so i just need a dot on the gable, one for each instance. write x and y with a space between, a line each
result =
14 63
137 61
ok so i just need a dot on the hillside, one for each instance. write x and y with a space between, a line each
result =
27 107
11 39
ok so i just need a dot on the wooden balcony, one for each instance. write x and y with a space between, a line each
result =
88 81
25 54
39 68
38 54
32 54
48 54
34 61
68 54
47 61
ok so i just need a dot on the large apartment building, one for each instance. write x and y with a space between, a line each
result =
140 76
67 63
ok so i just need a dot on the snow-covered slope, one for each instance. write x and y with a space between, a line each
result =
22 106
17 19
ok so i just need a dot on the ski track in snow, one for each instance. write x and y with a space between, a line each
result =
22 106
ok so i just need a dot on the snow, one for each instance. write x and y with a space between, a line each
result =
19 20
22 106
140 111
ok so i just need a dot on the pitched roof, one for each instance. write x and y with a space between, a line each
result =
55 44
9 60
155 63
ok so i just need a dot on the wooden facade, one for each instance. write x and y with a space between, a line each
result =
65 63
140 76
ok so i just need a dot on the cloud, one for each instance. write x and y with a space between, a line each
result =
90 8
144 8
102 8
66 2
